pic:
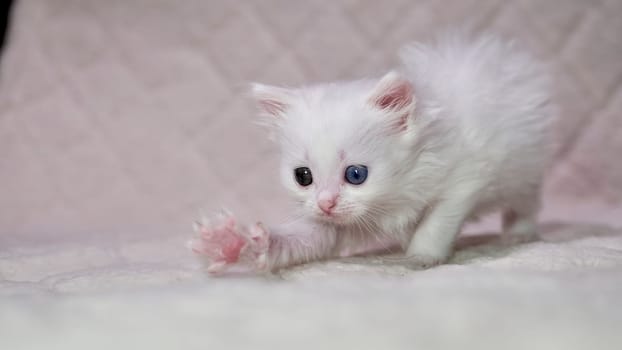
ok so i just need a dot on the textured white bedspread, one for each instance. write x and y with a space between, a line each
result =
562 292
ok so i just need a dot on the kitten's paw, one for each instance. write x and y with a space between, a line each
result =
219 240
223 243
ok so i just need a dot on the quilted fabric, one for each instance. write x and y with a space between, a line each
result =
121 119
110 122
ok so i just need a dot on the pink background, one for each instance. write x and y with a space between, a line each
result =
119 116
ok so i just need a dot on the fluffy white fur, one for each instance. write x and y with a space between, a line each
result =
458 131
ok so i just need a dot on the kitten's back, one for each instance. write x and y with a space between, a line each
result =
486 85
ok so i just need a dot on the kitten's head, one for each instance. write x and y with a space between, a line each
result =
343 144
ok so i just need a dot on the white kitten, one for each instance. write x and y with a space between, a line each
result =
460 131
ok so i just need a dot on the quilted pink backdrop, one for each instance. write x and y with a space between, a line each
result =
123 116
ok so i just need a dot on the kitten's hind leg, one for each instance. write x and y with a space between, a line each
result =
520 221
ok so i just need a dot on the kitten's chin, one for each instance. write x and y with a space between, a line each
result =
335 219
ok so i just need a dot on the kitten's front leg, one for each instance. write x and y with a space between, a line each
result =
432 243
300 242
225 243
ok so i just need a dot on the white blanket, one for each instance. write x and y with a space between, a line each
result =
559 293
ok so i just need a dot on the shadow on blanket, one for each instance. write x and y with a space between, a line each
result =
490 246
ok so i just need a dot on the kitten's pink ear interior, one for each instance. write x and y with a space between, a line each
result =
271 100
393 93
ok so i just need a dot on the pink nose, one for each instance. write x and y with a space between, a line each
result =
326 205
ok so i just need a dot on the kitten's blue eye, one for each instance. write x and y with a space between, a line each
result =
356 174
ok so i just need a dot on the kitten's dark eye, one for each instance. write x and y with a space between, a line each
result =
303 176
356 174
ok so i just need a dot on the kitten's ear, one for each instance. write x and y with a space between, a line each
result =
271 100
393 93
396 95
